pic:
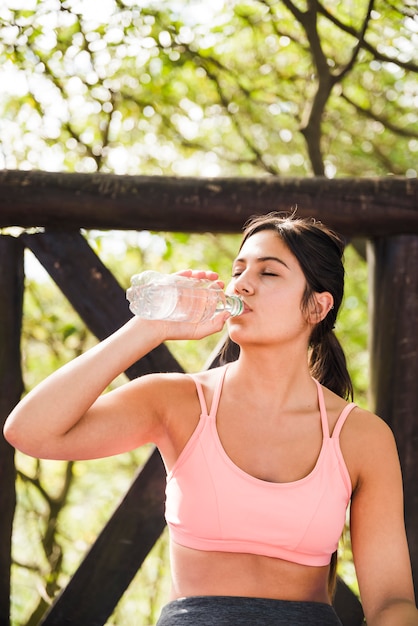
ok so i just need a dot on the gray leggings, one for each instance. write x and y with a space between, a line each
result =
237 611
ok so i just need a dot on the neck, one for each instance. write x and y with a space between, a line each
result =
283 372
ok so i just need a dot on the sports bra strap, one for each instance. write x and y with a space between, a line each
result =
341 420
324 419
216 394
201 396
322 410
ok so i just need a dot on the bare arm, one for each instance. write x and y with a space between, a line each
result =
68 416
379 541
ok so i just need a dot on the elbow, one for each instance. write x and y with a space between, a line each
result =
25 435
8 433
395 611
12 434
16 435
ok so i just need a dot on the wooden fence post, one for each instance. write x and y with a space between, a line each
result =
394 359
11 299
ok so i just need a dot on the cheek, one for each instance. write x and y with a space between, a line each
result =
289 301
287 313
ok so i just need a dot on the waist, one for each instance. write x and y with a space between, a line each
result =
227 610
200 573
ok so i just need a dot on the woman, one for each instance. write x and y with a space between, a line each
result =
263 455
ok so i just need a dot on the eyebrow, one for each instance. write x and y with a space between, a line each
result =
262 259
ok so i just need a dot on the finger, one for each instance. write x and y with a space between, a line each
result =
206 274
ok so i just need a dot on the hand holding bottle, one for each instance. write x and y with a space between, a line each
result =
189 302
189 296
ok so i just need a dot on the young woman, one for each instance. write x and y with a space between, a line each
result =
263 455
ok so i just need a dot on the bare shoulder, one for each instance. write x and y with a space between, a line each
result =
181 390
179 408
168 389
369 446
361 427
155 395
366 440
176 390
367 430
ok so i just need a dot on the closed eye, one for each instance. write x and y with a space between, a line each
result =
236 274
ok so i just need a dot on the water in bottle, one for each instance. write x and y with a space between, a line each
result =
178 298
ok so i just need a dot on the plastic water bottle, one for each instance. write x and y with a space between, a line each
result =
156 296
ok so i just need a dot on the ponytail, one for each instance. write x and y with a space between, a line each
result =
328 365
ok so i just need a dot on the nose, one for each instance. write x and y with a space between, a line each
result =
243 285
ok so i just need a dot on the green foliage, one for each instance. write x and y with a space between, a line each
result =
53 331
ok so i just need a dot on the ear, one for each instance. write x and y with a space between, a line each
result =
321 304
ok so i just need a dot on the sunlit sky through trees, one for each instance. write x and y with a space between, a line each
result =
209 87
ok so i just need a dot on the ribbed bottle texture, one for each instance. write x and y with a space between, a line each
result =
156 296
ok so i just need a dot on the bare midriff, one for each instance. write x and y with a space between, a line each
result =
197 573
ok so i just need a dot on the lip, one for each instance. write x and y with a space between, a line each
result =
247 309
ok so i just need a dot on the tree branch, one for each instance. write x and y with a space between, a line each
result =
384 120
406 65
358 46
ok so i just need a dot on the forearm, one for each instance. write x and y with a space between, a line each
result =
56 405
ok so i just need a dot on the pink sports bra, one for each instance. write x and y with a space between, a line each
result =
211 504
